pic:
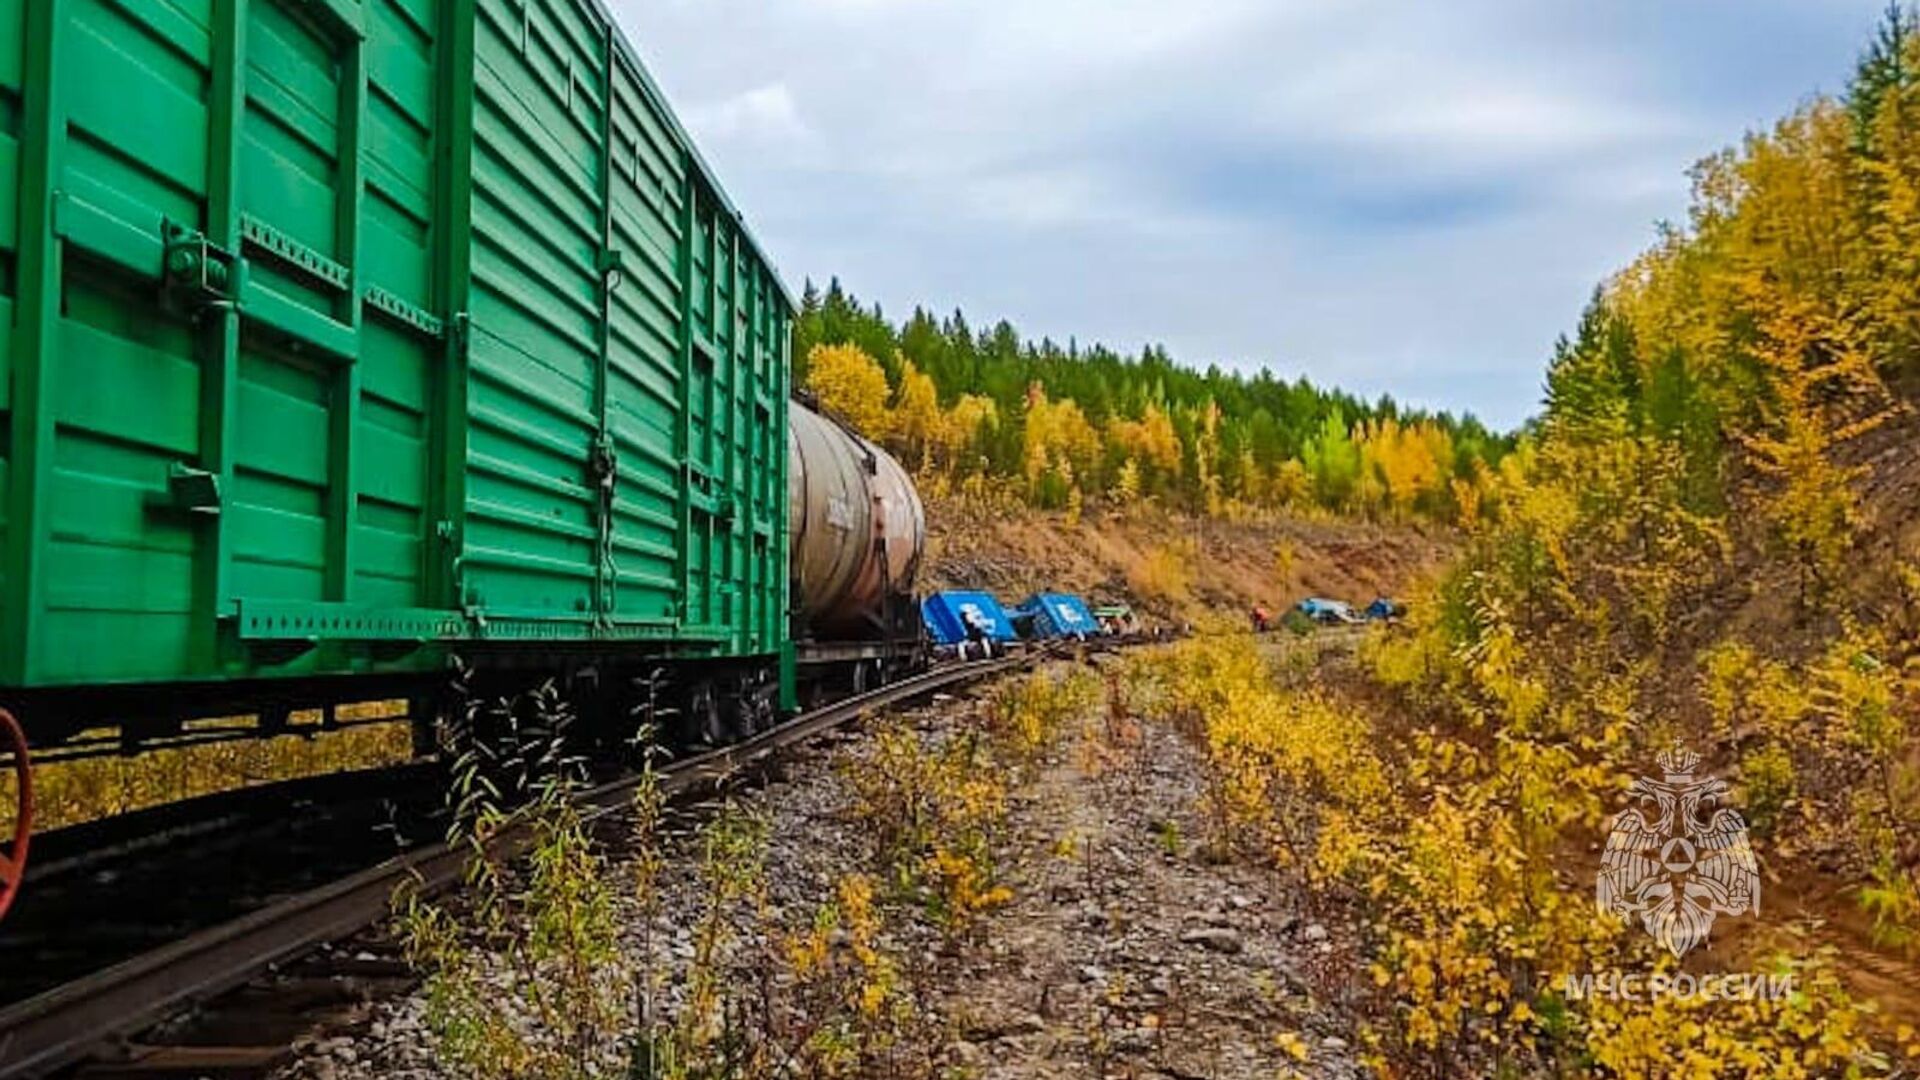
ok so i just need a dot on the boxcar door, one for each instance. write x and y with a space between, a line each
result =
326 524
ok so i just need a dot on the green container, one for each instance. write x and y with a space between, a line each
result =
346 332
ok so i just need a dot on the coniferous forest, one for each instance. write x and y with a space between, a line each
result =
1068 423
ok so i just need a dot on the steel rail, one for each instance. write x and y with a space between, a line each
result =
66 1024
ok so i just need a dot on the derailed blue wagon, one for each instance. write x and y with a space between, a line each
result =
1058 615
957 617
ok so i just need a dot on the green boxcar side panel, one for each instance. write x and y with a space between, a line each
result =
333 447
291 149
13 28
397 237
115 571
277 510
392 468
736 526
279 515
400 411
530 529
123 384
400 363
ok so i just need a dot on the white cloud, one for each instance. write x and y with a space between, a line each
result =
1384 192
764 116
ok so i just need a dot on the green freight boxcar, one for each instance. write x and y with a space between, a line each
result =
346 334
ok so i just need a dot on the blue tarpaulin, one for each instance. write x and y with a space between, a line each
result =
947 615
1059 615
1320 609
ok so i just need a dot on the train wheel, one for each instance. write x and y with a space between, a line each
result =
13 862
706 725
753 701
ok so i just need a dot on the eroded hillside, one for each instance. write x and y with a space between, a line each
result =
1173 566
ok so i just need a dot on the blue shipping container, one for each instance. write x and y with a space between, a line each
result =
948 613
1059 615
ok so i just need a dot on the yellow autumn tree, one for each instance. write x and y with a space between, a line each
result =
961 427
851 385
1812 363
1889 289
1206 455
916 422
1252 482
1150 442
1057 433
1126 483
1289 485
1401 463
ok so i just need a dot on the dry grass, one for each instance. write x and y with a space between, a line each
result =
73 792
1172 567
1163 575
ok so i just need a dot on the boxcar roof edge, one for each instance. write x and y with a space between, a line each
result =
631 55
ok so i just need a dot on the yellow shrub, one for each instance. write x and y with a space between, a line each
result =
1453 846
1817 1031
1031 713
933 810
1275 756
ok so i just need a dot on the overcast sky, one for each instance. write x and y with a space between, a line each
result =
1412 198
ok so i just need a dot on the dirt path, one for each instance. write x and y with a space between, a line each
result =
1125 952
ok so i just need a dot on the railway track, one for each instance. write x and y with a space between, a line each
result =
74 1021
108 890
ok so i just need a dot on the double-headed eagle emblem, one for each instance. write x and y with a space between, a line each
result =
1679 857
